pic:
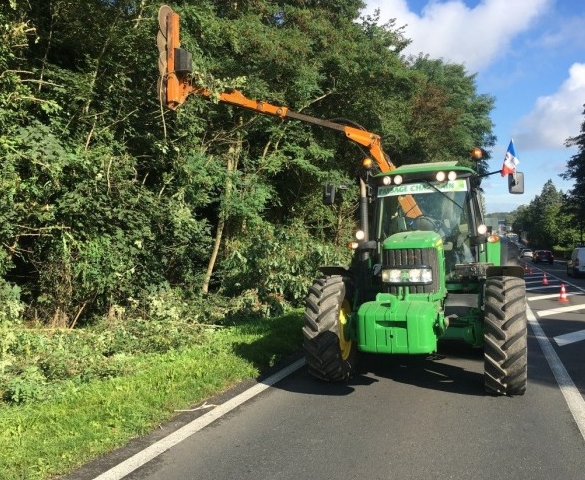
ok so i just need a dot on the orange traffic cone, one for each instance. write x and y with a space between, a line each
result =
563 295
544 279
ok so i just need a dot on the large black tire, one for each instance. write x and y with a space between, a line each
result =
330 354
505 336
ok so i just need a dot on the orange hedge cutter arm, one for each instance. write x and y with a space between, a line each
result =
175 66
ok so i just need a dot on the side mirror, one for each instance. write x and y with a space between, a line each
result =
516 182
328 195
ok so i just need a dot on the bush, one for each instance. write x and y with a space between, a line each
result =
279 265
35 363
11 307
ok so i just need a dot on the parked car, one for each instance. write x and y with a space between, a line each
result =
526 253
543 256
576 265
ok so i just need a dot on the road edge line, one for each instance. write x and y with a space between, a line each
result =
144 456
572 395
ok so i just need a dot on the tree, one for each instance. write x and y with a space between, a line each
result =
576 171
545 221
108 197
448 118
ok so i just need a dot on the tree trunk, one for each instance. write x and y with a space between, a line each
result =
232 165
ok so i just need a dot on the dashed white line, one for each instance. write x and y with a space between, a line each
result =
540 287
568 338
553 311
552 295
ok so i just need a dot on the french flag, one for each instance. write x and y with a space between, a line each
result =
510 160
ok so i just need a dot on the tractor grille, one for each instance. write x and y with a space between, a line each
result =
410 257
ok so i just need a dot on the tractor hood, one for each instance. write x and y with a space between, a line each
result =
414 239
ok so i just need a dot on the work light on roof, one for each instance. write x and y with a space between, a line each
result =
441 176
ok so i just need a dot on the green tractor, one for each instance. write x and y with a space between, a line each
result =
428 269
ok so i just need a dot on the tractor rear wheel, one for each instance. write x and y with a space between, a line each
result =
330 352
505 336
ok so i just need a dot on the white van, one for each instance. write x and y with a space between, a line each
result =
576 266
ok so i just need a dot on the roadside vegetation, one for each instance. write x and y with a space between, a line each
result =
81 393
553 220
150 258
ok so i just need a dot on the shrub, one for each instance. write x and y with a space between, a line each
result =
279 264
11 307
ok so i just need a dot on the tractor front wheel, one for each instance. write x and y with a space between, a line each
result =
330 352
505 336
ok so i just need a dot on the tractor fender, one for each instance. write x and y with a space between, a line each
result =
331 270
505 271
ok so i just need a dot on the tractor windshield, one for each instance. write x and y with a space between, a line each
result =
441 208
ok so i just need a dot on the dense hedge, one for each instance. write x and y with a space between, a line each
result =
109 199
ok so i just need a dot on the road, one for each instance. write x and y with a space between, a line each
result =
397 419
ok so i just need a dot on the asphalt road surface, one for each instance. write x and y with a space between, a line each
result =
398 419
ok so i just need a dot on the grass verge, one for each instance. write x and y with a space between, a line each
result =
49 438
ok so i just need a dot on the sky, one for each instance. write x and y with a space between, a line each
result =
527 54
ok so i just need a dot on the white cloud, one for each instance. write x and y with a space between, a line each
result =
454 32
569 32
554 118
529 53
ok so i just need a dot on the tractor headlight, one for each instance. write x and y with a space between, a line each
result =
405 276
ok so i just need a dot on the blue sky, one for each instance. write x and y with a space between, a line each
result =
530 56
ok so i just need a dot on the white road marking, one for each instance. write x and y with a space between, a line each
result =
154 450
569 390
553 311
569 338
540 287
572 396
552 295
557 281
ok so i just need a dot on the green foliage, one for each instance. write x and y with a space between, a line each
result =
547 222
575 199
108 197
10 305
58 426
37 364
446 97
24 385
278 266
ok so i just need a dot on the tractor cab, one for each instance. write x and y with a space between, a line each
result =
442 202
